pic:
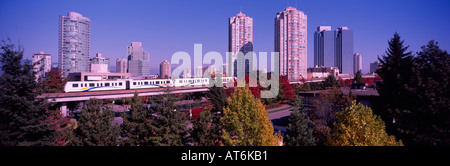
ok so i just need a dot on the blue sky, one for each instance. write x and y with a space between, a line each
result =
165 27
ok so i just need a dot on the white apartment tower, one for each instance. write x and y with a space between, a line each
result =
240 39
74 43
290 42
45 61
121 65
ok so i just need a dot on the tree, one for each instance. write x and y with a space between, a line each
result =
326 105
95 126
137 128
286 91
24 119
245 121
358 78
299 131
426 118
358 126
217 97
170 123
331 81
206 129
54 83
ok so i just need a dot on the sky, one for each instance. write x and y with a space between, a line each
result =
167 26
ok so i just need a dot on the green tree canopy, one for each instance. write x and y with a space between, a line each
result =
95 126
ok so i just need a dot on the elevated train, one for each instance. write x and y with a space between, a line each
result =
88 86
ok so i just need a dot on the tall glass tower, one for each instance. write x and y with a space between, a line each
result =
344 50
74 43
324 47
138 60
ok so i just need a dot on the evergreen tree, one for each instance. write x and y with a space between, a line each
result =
206 129
426 120
95 126
358 126
170 123
245 121
299 131
358 78
24 119
217 97
331 81
137 128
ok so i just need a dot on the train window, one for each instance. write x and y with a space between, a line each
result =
134 83
81 85
75 85
157 82
106 84
85 85
91 84
146 83
120 84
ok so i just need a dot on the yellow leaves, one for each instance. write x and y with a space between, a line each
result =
358 126
246 122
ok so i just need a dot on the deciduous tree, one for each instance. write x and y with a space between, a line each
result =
358 126
245 122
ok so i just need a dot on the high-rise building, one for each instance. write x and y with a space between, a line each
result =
138 60
375 66
165 70
344 50
324 47
240 39
99 64
357 63
45 61
121 65
290 42
74 43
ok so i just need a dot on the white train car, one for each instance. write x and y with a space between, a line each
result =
144 84
226 80
181 82
88 86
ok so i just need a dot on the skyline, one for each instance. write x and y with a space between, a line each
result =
166 27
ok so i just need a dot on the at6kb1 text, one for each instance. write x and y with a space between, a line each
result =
246 155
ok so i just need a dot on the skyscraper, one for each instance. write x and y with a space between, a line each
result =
357 63
165 69
138 60
121 65
45 62
324 47
74 43
290 42
344 50
240 39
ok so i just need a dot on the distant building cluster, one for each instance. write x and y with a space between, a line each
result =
333 51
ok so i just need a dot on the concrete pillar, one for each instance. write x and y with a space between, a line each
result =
63 109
